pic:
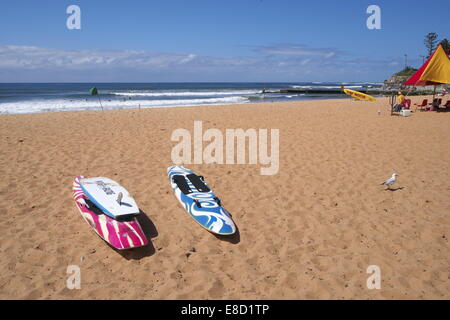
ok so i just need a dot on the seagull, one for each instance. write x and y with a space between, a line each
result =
390 181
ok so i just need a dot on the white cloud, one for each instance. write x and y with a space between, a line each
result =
38 58
297 50
305 62
37 64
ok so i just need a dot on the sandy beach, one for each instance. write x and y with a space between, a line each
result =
308 232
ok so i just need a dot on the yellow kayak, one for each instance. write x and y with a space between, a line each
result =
358 95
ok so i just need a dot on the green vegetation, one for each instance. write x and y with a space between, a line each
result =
430 43
407 72
445 44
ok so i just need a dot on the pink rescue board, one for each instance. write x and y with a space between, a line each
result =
119 234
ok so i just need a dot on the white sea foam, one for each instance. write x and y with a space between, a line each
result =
185 93
325 87
54 105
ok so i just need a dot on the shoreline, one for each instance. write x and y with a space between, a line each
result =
256 101
35 98
416 96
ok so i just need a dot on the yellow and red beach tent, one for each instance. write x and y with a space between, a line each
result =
435 71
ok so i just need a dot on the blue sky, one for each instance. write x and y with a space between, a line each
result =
200 40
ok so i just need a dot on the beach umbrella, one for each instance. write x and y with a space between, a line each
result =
435 71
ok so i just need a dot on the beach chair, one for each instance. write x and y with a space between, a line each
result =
447 104
407 104
422 105
444 108
435 104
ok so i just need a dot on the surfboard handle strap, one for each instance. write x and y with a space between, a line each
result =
199 205
218 201
197 182
182 184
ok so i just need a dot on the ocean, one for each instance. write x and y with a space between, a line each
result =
56 97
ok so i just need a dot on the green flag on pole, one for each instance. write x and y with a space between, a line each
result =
94 91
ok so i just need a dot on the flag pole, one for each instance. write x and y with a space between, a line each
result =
94 92
100 102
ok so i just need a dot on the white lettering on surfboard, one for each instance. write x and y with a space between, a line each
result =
104 187
236 140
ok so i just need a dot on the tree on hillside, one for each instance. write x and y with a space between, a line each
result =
445 44
430 43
